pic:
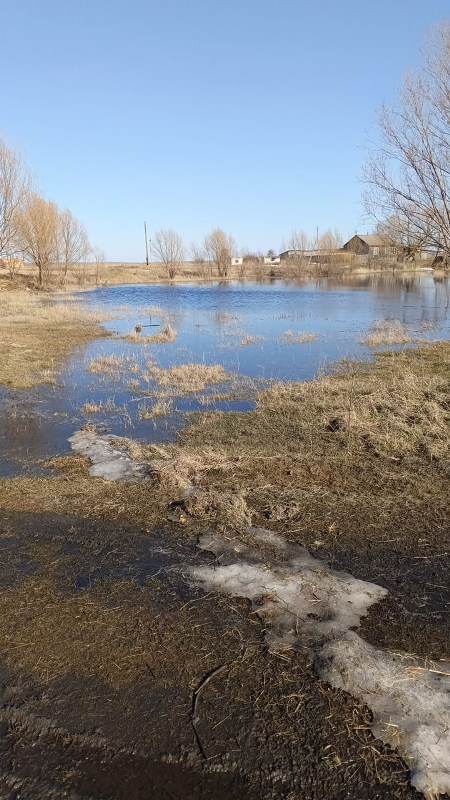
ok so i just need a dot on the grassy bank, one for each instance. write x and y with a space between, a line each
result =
91 276
37 334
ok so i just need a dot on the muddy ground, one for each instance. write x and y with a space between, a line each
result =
121 680
104 644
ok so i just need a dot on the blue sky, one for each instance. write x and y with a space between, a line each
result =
251 115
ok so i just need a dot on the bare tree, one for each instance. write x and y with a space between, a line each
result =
73 243
99 261
169 248
197 253
14 184
330 240
37 226
409 175
219 247
299 241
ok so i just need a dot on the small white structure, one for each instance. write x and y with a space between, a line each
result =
269 260
236 261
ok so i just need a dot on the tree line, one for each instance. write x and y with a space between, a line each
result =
36 230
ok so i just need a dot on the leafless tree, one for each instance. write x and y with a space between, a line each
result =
73 243
409 176
99 261
299 241
37 226
169 248
330 240
197 253
14 184
219 247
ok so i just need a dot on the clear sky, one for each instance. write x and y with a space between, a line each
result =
252 115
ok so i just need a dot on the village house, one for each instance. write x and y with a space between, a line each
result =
372 245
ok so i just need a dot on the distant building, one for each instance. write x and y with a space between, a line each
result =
271 259
287 255
236 261
371 245
306 255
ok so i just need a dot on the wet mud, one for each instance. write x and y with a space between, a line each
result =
102 707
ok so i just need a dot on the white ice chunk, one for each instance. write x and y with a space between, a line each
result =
311 606
108 462
410 703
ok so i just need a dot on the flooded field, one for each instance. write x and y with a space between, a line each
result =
241 337
245 604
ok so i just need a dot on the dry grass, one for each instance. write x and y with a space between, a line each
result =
108 365
248 340
161 408
224 318
189 378
100 407
362 450
386 332
298 338
167 335
37 333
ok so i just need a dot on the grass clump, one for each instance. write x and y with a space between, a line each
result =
168 335
189 378
298 338
386 332
106 365
100 407
161 408
250 339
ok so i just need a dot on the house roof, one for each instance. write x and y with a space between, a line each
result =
373 239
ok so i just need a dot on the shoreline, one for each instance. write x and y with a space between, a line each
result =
288 273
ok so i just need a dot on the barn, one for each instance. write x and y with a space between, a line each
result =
370 245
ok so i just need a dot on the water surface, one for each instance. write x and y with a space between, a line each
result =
241 326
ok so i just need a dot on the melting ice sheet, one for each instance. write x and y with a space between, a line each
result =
108 460
311 607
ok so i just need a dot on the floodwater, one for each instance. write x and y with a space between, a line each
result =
245 327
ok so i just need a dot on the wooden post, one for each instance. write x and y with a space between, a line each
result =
146 243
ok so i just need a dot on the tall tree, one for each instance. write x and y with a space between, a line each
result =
14 184
219 247
409 174
73 242
169 248
37 228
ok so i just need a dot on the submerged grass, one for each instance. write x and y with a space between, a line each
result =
298 338
161 408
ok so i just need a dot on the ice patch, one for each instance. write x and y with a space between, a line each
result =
108 462
312 607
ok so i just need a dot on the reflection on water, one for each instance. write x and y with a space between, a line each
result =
241 326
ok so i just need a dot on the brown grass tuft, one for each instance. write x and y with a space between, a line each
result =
298 338
386 332
189 378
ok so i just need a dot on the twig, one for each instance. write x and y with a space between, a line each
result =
193 718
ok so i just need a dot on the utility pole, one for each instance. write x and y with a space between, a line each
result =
146 243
